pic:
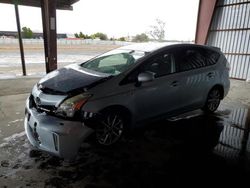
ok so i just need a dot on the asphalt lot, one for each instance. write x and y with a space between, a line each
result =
192 149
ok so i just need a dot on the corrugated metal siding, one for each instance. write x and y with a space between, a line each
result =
230 31
231 139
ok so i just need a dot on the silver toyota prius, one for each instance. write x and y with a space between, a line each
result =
119 90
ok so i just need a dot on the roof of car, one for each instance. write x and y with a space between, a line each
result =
152 46
147 47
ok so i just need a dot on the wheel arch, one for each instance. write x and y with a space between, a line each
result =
221 89
126 113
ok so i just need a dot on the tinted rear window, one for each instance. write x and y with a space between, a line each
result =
195 57
211 56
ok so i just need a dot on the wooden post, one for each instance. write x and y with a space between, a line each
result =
48 8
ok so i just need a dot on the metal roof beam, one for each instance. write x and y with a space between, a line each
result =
204 19
61 4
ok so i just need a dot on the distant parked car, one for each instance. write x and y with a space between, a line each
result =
121 89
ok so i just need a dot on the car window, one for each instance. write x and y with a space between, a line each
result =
117 59
161 64
190 59
113 62
194 58
211 57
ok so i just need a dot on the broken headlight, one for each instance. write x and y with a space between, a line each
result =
70 106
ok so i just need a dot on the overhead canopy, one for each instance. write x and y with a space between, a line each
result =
61 4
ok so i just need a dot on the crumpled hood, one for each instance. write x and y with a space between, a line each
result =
67 79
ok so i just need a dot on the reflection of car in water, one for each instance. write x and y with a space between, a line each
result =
116 91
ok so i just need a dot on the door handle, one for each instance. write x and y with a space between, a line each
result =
174 83
210 75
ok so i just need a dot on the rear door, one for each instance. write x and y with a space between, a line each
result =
195 74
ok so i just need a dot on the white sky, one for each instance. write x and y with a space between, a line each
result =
116 18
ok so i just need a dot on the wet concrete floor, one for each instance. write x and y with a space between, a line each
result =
192 149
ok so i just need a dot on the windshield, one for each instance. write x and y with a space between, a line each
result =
113 62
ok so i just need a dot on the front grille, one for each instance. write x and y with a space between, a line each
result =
46 108
40 108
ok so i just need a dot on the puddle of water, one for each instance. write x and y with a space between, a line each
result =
234 143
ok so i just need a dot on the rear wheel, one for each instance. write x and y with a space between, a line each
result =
213 100
110 128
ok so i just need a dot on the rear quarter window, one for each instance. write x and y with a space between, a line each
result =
195 57
211 56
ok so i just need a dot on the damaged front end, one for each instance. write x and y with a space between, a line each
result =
54 119
59 136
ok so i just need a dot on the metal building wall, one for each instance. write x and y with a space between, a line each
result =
230 30
234 139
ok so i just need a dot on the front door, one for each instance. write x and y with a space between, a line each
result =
159 96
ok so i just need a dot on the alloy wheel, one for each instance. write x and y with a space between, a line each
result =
213 100
110 129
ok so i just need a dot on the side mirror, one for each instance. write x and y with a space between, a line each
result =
146 77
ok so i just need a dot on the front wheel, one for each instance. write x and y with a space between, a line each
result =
213 100
110 128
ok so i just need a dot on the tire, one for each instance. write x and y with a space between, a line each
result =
213 100
110 129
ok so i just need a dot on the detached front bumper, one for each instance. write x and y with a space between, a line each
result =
57 136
